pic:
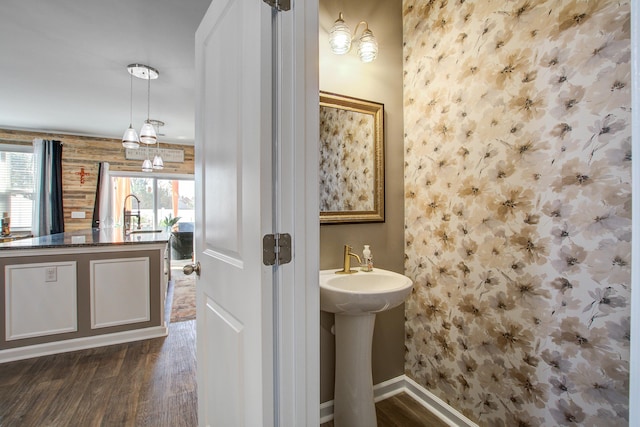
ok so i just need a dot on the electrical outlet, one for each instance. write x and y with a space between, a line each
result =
51 274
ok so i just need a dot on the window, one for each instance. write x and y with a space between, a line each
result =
160 196
17 184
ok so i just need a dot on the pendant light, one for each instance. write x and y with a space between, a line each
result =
146 165
158 163
148 133
130 137
145 72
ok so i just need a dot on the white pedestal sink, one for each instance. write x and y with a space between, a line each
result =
355 299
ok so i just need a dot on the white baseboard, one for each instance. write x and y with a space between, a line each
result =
433 403
326 411
20 353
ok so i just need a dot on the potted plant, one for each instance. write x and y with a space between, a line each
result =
169 222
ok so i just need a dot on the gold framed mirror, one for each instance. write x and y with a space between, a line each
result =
351 159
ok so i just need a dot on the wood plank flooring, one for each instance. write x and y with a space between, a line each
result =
144 383
402 410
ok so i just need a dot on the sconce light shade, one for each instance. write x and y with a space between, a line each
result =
148 134
367 47
147 166
130 138
340 37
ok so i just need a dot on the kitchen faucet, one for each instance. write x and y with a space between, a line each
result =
346 269
127 215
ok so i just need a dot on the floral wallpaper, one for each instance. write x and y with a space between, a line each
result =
518 208
346 160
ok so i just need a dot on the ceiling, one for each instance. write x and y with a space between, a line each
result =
63 65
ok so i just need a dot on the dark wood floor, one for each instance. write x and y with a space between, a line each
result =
402 410
145 383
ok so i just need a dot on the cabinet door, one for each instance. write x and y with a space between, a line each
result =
119 291
40 299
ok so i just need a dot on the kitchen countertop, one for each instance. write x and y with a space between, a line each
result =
16 236
91 237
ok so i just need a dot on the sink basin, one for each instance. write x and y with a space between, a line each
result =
362 292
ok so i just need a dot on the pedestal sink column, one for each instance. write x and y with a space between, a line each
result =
353 404
355 299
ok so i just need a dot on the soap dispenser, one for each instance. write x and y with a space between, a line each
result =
367 260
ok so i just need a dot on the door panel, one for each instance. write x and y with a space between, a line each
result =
223 367
224 121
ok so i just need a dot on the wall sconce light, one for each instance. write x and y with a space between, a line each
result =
340 39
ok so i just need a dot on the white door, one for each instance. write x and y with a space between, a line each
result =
233 212
257 326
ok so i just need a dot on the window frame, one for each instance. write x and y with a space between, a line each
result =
155 176
12 147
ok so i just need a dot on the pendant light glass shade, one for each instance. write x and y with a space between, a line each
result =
340 37
148 134
158 163
147 166
367 47
130 138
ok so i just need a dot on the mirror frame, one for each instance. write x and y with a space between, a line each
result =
376 110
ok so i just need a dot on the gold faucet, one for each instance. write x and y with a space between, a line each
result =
347 261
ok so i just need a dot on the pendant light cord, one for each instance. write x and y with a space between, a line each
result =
148 95
131 100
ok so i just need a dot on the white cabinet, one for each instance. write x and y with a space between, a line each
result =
40 299
119 291
67 298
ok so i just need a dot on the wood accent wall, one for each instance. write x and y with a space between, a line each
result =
87 152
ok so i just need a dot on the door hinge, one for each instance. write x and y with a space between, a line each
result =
279 5
276 249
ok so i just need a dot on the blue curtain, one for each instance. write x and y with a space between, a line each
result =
48 212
